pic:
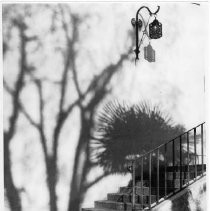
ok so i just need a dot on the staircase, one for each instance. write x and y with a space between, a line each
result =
156 183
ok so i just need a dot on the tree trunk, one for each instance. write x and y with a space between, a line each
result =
51 171
81 165
11 191
75 203
51 182
75 196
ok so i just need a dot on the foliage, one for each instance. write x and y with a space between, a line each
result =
125 130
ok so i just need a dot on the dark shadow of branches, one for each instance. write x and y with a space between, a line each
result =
96 91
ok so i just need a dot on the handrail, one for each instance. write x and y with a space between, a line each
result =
161 145
181 168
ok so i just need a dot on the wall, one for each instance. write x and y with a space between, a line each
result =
192 198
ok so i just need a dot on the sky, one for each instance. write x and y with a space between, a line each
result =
175 81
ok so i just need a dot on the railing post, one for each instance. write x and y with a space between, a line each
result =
202 148
158 185
165 176
195 153
180 139
188 159
173 162
134 183
150 159
142 178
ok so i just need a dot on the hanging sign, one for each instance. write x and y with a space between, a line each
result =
149 53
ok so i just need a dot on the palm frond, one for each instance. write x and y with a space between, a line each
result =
124 130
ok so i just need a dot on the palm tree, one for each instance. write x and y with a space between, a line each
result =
125 130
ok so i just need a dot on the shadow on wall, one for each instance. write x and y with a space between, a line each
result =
193 200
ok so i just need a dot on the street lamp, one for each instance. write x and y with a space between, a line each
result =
155 32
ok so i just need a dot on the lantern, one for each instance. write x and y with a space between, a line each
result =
149 53
155 29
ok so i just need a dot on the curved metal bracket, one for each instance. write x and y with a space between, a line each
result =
150 13
136 23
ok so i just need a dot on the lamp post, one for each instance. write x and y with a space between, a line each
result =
155 31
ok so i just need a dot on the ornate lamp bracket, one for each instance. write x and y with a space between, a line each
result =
138 24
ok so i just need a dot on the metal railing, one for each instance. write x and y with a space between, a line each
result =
176 155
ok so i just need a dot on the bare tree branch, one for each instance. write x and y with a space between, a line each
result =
71 42
75 21
12 192
99 85
61 114
50 161
28 117
41 103
7 88
69 62
96 180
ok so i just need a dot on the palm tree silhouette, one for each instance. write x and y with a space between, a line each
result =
124 130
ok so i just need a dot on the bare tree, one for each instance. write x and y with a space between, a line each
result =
15 92
96 91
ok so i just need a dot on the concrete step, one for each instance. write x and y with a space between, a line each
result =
177 175
145 183
139 183
145 190
185 168
96 209
120 197
105 204
122 200
139 190
170 176
170 183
